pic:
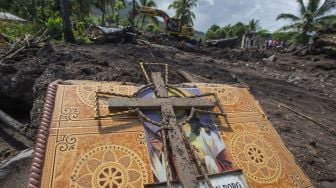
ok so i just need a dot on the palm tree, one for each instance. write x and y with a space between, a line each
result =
144 18
184 10
312 16
116 5
253 25
67 29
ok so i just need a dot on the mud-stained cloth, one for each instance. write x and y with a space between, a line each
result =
73 149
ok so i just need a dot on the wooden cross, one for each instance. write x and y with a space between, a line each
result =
182 162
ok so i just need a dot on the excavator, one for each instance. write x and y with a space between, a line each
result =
174 26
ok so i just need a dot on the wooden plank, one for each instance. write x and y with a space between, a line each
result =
156 103
160 86
183 165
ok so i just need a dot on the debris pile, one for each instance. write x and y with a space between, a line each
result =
234 55
325 42
19 50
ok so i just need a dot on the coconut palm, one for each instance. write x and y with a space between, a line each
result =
117 5
144 18
312 16
253 25
184 10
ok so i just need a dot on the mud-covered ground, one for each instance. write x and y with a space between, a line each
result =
307 84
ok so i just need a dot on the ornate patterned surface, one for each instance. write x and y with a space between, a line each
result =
87 93
228 96
66 142
71 113
107 167
254 154
79 154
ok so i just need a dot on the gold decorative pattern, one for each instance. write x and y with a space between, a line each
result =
109 166
256 156
249 106
297 181
69 114
228 96
87 93
141 139
66 142
262 126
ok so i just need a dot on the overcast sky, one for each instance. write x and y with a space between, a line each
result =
223 12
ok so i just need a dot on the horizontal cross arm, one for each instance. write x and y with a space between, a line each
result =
156 103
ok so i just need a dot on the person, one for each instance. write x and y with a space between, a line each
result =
266 44
199 43
157 160
270 44
209 147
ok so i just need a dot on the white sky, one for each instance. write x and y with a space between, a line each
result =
223 12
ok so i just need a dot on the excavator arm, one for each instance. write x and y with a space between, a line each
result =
173 25
151 12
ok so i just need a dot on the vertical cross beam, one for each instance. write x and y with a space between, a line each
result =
182 162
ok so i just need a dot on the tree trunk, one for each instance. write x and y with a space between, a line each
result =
143 21
103 19
67 30
42 10
34 12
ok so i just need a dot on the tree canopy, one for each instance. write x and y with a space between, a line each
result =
183 10
313 16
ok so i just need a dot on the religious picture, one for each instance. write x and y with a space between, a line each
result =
155 148
200 132
156 155
210 149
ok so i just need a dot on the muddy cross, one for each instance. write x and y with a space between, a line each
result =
179 152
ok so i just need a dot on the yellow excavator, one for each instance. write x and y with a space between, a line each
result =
174 26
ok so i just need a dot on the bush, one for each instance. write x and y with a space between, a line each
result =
291 37
14 30
152 28
55 28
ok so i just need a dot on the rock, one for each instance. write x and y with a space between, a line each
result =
15 172
46 50
272 58
7 69
327 184
291 48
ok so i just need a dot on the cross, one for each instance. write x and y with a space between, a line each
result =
183 164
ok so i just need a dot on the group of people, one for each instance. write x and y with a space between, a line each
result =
272 44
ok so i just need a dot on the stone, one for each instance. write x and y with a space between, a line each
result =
272 58
15 172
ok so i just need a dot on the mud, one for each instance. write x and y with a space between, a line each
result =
306 83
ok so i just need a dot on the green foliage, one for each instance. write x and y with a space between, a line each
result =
152 28
143 19
79 32
215 32
313 16
124 22
55 28
118 5
264 33
289 37
253 25
184 11
16 29
236 30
